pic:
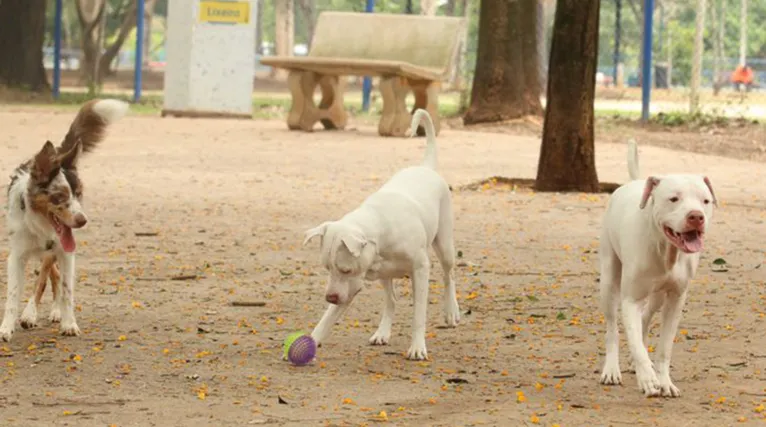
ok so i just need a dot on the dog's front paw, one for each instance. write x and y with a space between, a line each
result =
451 313
667 388
417 351
29 317
611 374
70 330
647 381
55 315
380 337
6 332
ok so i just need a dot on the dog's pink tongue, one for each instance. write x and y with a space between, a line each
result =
693 245
67 239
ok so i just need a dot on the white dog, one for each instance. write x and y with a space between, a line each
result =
387 237
651 241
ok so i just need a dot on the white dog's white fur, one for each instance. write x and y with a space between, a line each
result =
651 241
33 235
387 237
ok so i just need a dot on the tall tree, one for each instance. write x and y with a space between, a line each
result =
22 33
567 155
500 89
743 33
308 9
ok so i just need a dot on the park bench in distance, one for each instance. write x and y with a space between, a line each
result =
408 52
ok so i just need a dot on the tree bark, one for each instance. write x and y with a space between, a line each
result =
499 80
308 10
128 24
89 13
567 158
428 7
259 28
696 78
531 58
22 33
284 32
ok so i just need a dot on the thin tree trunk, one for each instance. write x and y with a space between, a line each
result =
718 16
567 157
259 28
128 24
697 57
284 32
89 13
743 33
22 33
308 10
499 83
450 8
147 46
456 80
530 56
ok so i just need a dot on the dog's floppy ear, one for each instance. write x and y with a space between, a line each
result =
316 231
651 182
354 242
45 165
710 187
69 159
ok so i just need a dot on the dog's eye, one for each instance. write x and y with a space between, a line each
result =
344 271
674 199
57 199
707 201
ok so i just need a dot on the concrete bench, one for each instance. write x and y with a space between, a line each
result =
408 53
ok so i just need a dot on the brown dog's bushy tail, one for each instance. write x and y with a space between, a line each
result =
89 126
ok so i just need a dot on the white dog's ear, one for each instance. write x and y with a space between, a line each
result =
316 231
355 243
710 187
651 182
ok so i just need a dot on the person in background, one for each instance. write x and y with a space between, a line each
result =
743 76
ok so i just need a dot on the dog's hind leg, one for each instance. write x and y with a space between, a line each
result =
383 334
420 285
610 282
445 251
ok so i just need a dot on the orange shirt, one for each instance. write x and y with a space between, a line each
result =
742 75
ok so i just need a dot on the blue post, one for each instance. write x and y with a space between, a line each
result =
646 81
367 83
139 50
57 50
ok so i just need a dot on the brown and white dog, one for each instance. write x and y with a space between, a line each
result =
44 206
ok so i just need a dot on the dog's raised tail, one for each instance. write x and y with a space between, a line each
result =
430 158
89 126
633 170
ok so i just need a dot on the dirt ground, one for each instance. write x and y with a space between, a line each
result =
229 202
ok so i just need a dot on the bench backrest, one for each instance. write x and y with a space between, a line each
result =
425 41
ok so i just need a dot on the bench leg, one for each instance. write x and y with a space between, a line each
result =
301 85
394 119
332 112
304 113
427 97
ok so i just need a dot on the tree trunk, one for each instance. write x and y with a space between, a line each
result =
284 32
89 13
567 156
308 10
128 24
22 33
450 8
147 46
499 83
743 33
531 58
699 30
259 28
718 16
456 79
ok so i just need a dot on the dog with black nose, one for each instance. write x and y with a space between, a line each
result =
387 237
